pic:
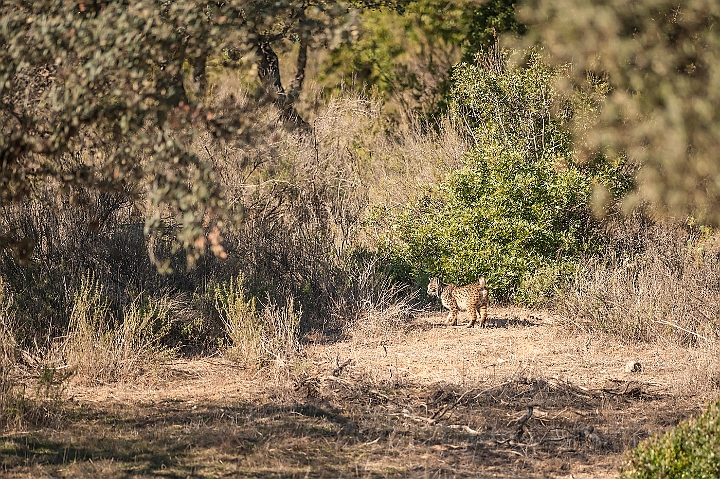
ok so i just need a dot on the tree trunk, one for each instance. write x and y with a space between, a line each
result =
269 73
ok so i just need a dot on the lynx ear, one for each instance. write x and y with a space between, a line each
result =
481 281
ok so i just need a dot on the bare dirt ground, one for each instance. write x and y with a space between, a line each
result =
425 401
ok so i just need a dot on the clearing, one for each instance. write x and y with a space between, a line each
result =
426 401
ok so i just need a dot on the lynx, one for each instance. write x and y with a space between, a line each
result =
468 298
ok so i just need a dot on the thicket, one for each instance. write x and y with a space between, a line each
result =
92 302
130 145
519 208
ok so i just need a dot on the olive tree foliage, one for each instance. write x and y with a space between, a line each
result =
661 59
107 95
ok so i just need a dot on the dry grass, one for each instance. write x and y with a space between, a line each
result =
300 202
430 401
100 348
379 388
257 337
31 390
666 290
8 360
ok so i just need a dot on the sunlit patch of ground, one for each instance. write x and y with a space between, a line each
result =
426 401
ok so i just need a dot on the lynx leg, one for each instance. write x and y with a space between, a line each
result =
483 309
473 316
452 318
483 315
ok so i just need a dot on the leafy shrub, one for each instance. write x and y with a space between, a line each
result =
691 450
489 20
519 208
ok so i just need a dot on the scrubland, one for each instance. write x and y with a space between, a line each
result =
302 355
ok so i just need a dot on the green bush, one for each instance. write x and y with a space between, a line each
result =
691 450
519 208
407 71
488 21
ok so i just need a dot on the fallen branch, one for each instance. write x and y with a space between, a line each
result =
441 412
414 417
522 421
465 428
625 390
494 387
680 328
371 442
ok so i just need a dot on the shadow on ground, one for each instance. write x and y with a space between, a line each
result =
327 426
496 322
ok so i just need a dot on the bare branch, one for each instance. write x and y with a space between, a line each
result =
522 421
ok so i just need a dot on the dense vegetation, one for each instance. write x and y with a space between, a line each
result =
519 208
170 185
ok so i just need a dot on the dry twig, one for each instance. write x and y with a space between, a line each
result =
522 421
441 412
680 328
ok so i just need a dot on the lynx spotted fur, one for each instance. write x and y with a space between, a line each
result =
470 298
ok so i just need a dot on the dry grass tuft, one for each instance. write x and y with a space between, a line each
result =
21 405
99 348
8 360
384 316
257 338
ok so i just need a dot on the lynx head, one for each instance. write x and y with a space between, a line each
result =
435 287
